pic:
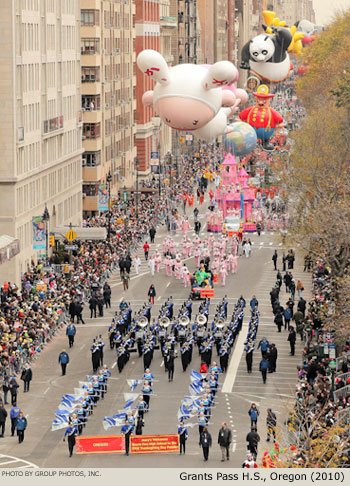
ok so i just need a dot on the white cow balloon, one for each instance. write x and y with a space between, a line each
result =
188 96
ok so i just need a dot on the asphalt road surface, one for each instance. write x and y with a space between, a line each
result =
255 276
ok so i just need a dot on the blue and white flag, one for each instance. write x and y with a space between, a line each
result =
195 376
129 403
116 420
195 389
67 405
133 384
60 422
131 396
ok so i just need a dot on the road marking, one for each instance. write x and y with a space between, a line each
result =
233 447
82 347
159 297
162 363
167 285
8 462
235 361
18 459
47 389
113 365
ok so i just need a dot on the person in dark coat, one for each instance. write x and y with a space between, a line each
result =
171 364
92 306
302 306
274 259
152 233
71 310
151 294
272 357
249 359
3 416
224 441
253 440
279 321
107 295
292 337
79 312
5 389
13 387
205 442
100 304
26 376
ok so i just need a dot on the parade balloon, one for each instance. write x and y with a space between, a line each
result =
241 140
266 55
263 119
187 96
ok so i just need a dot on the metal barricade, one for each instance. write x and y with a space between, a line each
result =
343 417
342 392
340 359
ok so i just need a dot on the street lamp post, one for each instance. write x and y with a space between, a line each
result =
109 180
46 218
137 163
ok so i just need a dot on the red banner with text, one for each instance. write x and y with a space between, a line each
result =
107 444
154 444
207 293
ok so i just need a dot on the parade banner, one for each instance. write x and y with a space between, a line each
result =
108 444
154 444
102 197
207 293
39 233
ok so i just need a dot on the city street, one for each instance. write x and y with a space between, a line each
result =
255 276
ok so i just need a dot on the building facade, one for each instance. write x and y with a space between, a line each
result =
154 30
293 10
108 75
40 127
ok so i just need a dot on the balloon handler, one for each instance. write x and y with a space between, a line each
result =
263 119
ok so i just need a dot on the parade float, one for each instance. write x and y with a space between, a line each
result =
235 201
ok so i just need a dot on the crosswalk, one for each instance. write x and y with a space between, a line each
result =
15 462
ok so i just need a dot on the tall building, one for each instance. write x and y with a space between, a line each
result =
40 126
293 10
216 18
186 41
108 75
154 30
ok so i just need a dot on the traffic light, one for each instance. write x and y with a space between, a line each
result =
52 240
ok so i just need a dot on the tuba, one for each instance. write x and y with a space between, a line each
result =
164 322
220 323
142 322
201 320
184 321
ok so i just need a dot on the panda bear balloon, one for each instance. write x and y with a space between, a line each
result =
266 55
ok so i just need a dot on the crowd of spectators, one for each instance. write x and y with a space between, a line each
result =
322 401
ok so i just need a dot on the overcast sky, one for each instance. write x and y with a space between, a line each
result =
325 9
